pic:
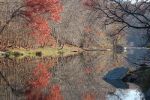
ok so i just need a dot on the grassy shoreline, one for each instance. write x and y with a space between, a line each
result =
41 52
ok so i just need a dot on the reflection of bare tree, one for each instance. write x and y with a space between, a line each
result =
84 72
16 91
15 74
140 58
75 74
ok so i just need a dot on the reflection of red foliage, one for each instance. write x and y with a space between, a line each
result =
55 93
36 94
38 23
89 96
42 77
40 81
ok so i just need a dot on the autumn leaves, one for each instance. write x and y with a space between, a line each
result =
36 12
41 78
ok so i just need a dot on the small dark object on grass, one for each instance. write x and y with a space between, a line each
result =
74 51
17 54
6 55
119 49
39 53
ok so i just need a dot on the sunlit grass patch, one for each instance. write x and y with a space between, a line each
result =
41 52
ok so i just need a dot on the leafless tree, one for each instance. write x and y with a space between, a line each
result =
119 11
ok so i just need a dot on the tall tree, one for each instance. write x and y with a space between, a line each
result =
119 11
37 14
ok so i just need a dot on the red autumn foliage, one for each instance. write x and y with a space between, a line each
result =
41 77
34 95
41 31
55 93
51 7
36 12
37 94
89 96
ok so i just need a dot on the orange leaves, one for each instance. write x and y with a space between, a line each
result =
89 96
35 13
34 95
51 7
55 93
55 11
40 82
41 77
41 31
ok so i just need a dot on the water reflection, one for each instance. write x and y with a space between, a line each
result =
78 77
139 56
129 94
138 64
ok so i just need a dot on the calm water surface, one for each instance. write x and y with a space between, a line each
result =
78 77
